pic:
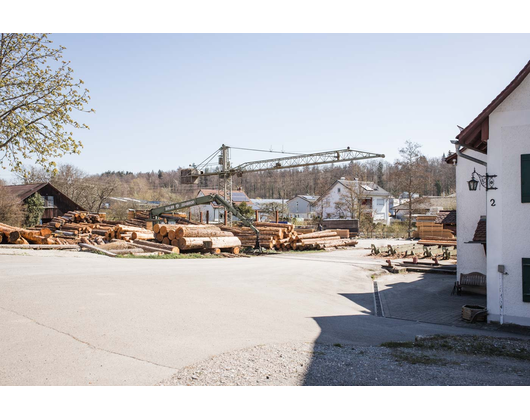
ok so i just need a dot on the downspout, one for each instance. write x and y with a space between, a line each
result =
460 154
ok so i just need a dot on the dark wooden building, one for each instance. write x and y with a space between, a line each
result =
55 202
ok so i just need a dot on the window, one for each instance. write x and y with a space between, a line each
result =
49 201
525 178
526 279
338 190
380 202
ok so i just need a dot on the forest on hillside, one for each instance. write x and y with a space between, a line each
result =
432 176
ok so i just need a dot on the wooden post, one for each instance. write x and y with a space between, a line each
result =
207 217
225 218
277 216
257 215
189 215
200 217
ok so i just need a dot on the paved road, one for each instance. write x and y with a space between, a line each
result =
77 319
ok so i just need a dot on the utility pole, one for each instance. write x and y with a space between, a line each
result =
225 177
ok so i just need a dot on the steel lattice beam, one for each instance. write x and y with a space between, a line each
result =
312 159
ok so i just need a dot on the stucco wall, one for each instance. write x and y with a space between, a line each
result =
336 194
299 206
509 220
470 205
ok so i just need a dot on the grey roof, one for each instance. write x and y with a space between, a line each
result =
309 198
376 190
427 202
258 202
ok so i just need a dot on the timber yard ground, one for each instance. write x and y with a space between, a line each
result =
74 318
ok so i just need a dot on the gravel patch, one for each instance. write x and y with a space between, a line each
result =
437 362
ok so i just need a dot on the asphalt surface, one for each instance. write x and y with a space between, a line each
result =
69 318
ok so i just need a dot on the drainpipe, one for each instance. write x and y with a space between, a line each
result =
460 154
502 273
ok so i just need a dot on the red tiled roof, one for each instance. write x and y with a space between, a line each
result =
476 134
480 231
446 217
452 157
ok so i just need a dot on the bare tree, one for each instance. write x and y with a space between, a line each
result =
97 192
11 209
411 175
352 199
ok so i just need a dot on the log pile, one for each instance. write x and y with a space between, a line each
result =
281 236
196 238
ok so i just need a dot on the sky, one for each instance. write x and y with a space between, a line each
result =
165 101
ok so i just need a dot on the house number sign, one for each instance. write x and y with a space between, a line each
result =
492 201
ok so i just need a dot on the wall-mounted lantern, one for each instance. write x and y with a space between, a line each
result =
485 180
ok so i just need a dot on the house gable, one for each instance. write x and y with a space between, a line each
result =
475 136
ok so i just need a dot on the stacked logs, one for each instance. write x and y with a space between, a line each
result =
19 236
196 238
269 233
126 232
281 236
73 217
318 240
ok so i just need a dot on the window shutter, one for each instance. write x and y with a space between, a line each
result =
526 279
525 178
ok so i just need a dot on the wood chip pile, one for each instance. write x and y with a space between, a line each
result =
197 238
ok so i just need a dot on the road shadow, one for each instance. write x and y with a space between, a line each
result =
425 299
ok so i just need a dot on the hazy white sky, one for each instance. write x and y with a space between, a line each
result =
164 101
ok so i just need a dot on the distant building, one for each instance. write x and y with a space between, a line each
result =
301 206
216 212
261 203
336 203
424 205
55 202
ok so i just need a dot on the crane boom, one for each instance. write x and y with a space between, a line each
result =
334 156
189 176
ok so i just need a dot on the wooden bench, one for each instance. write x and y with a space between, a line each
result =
475 281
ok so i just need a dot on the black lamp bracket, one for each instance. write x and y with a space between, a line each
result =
486 181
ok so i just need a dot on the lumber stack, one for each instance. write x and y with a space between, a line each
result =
428 229
196 238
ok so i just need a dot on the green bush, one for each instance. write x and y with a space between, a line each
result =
34 210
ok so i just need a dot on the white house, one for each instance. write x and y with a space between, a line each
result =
216 212
301 206
496 144
336 203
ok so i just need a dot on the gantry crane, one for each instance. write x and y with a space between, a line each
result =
225 171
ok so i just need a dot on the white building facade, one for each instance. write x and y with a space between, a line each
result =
501 135
470 207
336 203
